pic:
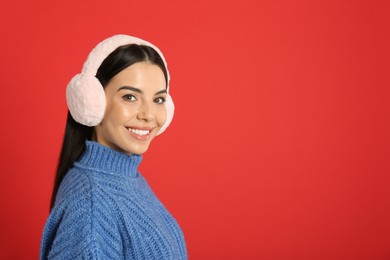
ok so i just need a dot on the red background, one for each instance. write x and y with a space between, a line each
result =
279 148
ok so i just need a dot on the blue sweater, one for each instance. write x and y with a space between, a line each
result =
105 209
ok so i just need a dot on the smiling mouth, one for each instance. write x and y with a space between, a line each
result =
140 134
138 131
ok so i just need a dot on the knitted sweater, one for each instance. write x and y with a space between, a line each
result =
105 209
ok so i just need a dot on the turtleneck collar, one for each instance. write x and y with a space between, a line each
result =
105 159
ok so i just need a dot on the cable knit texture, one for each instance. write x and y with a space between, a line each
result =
106 210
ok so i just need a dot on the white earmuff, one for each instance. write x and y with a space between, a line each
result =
85 95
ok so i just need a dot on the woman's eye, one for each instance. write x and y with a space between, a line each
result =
159 100
129 97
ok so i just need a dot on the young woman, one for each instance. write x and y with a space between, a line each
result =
102 207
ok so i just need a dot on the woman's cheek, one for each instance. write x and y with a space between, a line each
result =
125 110
162 115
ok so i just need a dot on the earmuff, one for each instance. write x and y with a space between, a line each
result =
85 95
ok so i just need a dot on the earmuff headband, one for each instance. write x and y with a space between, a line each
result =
85 95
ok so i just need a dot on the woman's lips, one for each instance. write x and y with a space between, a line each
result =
140 133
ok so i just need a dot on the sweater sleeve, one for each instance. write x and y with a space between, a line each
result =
76 229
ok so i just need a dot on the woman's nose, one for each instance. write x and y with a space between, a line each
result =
146 112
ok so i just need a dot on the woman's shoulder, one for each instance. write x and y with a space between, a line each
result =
100 189
87 185
78 218
75 186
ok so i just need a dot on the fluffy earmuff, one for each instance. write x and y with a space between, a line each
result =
85 95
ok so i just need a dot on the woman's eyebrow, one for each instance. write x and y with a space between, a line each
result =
164 91
131 88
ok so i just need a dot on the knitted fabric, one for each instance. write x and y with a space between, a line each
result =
105 209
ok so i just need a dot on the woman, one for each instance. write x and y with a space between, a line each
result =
102 207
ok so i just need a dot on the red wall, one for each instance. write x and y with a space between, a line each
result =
280 144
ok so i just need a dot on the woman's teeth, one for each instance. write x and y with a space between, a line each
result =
139 132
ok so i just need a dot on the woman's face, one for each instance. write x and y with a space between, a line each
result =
135 108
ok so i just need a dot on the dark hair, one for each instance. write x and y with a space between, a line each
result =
76 134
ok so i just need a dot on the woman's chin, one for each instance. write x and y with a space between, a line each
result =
135 149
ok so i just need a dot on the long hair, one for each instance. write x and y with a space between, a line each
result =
76 134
